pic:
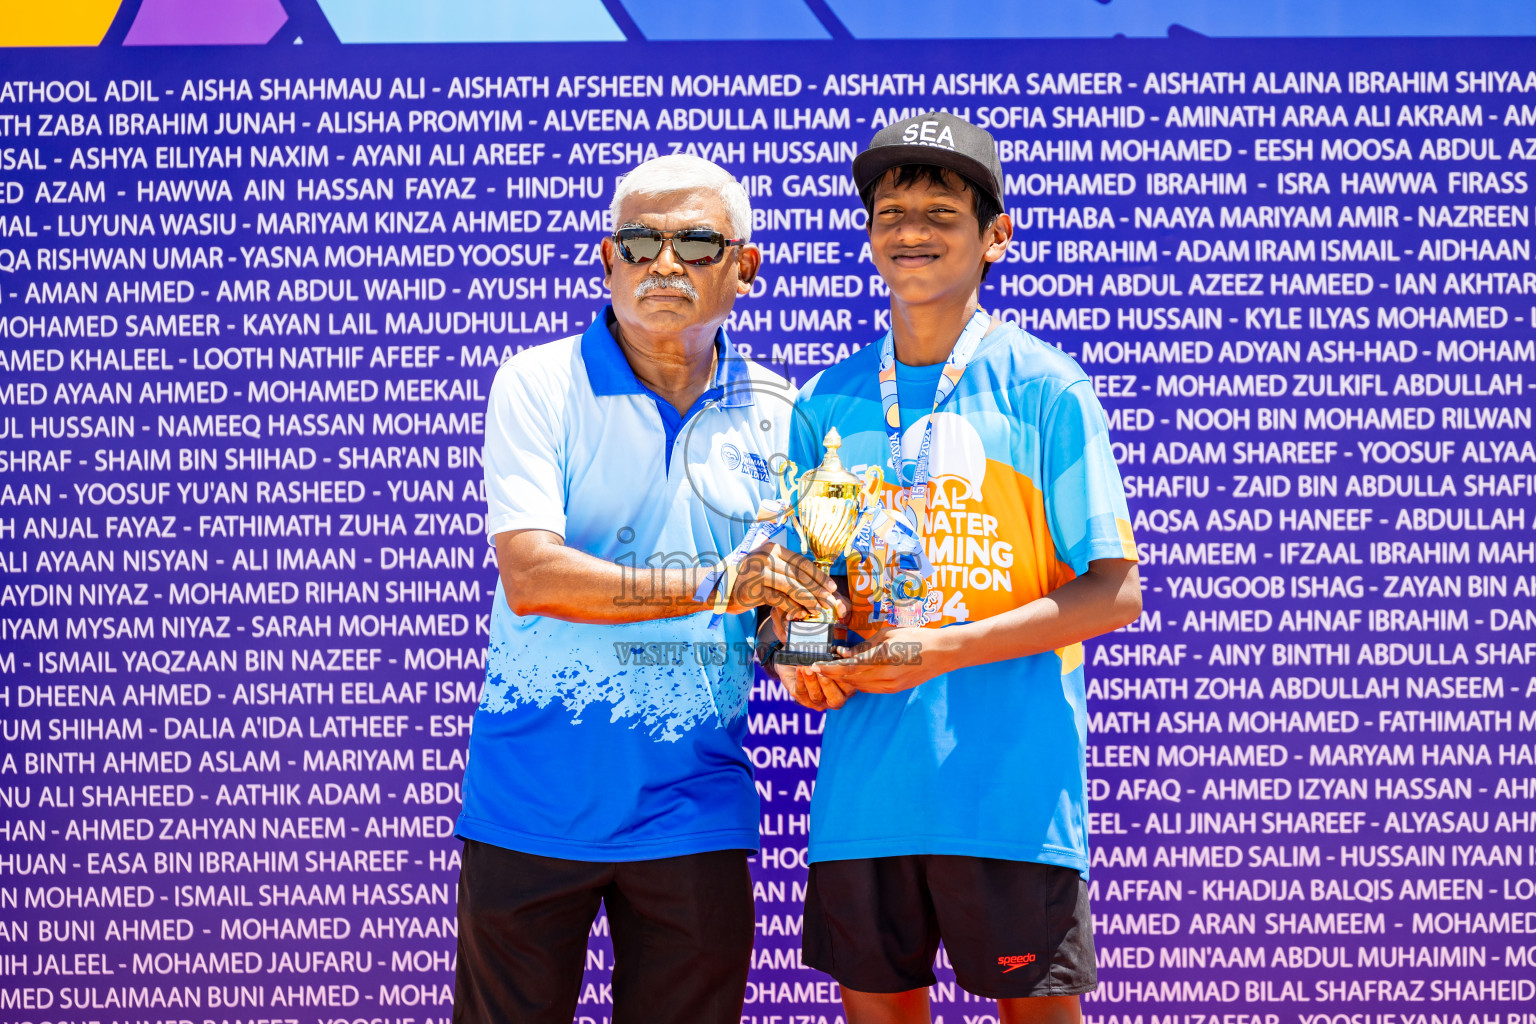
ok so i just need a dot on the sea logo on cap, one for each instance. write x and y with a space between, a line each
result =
929 133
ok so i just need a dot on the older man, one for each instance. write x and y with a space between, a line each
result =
606 763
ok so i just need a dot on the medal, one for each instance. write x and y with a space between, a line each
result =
904 589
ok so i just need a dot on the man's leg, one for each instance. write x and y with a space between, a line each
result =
523 926
682 938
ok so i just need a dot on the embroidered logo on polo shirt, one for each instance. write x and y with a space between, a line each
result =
750 463
1013 963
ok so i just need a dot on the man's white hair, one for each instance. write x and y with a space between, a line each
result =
683 172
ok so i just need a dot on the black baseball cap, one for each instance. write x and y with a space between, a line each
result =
937 138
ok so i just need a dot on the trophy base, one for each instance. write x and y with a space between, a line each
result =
808 643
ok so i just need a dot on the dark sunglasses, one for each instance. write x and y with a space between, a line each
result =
697 247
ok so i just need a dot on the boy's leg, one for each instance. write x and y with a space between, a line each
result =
682 938
870 924
1018 932
523 925
1040 1010
910 1007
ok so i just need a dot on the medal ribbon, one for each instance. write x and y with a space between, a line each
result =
916 493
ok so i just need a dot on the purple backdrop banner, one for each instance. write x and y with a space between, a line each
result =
250 304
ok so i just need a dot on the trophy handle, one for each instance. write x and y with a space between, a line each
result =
789 492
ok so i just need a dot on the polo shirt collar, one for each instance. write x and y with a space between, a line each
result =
609 371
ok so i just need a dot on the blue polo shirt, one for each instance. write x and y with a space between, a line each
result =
1023 496
620 742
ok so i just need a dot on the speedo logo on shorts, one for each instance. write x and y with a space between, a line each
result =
1013 963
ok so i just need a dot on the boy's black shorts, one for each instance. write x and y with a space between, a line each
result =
1011 928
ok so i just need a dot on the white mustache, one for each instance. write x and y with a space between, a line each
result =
677 282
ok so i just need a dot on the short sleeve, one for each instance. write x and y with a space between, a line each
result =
524 456
1084 496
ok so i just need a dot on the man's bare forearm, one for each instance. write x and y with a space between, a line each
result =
1104 598
541 576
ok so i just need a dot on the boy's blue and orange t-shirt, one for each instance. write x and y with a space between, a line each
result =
1023 493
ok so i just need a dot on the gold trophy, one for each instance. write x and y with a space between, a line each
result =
824 508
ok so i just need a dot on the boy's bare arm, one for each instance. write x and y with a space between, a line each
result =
1104 598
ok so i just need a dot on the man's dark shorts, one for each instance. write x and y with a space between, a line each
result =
682 931
1011 928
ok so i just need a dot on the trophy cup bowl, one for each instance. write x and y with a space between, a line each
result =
826 503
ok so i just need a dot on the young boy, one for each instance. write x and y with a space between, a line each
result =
950 798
